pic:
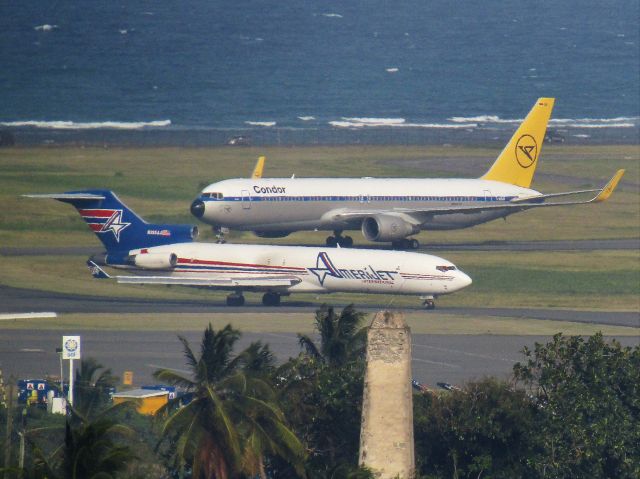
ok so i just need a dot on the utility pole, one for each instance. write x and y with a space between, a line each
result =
9 432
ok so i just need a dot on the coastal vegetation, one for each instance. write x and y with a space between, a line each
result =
571 409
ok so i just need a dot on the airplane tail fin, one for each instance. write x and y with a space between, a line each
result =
118 227
517 162
257 170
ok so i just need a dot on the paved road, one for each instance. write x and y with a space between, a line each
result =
446 358
16 300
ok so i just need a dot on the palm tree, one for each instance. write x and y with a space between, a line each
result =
234 420
92 385
341 337
91 449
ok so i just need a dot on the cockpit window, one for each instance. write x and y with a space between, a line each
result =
215 196
444 269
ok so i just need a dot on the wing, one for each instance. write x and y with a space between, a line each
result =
412 215
246 283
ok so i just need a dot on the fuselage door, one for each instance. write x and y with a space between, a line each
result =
487 196
246 200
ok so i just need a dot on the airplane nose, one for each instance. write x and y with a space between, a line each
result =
463 280
197 208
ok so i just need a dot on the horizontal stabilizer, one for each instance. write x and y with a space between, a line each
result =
67 196
249 282
96 271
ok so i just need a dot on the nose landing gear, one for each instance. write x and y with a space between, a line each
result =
429 302
220 231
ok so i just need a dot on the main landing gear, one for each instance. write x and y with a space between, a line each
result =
406 243
235 299
268 299
271 299
338 239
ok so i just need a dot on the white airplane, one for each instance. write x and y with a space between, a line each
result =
391 209
167 254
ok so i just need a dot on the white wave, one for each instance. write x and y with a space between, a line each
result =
582 136
261 123
346 123
480 119
600 125
45 28
375 121
72 125
392 70
306 118
618 122
332 15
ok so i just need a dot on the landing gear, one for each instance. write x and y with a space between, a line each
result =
429 303
220 231
406 243
271 299
338 239
235 299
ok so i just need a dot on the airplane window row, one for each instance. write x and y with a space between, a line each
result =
215 196
367 198
444 269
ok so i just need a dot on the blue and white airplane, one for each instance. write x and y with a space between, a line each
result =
167 254
392 209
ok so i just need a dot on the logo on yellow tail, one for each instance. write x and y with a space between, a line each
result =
526 151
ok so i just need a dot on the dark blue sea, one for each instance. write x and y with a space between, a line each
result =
297 72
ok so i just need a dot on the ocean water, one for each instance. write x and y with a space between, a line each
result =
317 71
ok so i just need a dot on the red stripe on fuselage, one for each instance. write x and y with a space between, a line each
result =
187 261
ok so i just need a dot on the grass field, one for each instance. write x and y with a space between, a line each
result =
433 323
160 183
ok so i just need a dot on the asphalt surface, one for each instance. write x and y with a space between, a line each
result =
557 245
454 359
17 300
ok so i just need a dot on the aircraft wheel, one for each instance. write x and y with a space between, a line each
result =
235 300
414 243
331 241
271 299
346 242
429 304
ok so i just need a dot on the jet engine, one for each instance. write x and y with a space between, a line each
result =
155 260
387 228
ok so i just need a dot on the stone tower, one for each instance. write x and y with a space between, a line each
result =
386 433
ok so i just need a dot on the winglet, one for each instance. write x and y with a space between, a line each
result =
607 191
257 170
96 271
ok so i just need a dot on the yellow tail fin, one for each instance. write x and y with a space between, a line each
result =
517 162
257 171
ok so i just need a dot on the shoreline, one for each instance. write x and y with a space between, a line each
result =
298 137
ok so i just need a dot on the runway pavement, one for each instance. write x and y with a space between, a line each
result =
17 300
555 245
436 358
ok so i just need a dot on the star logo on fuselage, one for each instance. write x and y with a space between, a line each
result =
324 267
115 224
